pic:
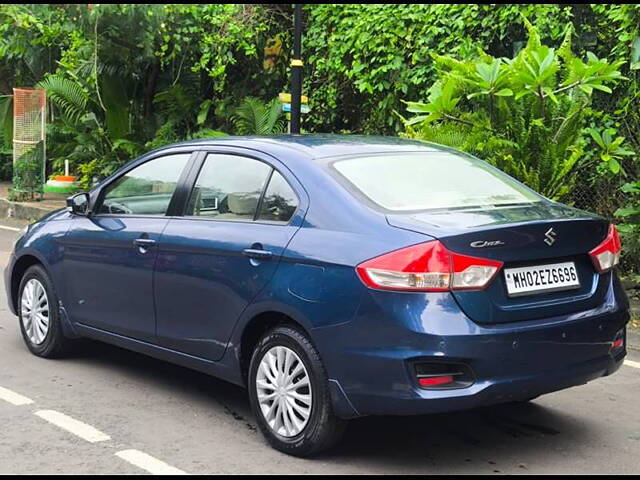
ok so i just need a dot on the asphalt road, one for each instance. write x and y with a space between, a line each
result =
142 415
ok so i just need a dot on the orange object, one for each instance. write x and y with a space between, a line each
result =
64 178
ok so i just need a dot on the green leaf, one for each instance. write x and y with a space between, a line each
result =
631 187
627 212
586 89
505 92
614 166
596 137
602 88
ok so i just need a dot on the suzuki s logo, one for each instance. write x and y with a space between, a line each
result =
550 237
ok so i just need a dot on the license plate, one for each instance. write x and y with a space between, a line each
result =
541 278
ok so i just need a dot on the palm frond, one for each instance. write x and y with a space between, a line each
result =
253 116
69 96
275 124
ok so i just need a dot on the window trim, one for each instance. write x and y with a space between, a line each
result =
171 208
195 173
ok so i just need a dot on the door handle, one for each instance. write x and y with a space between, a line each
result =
144 244
257 253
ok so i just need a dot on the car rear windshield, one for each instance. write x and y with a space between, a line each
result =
431 180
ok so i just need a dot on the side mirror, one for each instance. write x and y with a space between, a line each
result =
79 204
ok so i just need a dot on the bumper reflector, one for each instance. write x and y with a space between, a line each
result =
441 376
433 381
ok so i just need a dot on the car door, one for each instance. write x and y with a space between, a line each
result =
214 260
109 256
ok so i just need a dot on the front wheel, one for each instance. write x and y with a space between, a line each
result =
289 394
39 315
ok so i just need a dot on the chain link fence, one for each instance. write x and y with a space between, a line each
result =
603 197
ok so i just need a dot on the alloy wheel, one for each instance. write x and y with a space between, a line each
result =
284 391
35 311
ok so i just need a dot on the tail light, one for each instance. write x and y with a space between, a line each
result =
427 267
607 255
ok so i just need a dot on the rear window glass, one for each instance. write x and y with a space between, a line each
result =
431 180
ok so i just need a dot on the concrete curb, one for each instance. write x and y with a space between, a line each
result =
22 211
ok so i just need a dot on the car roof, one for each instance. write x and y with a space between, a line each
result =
319 146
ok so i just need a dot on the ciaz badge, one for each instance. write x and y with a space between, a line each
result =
486 243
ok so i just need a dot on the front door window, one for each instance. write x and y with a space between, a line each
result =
146 189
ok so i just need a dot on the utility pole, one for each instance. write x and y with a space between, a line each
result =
296 69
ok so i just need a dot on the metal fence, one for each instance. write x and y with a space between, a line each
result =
603 197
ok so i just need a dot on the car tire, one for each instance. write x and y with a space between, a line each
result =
322 428
51 343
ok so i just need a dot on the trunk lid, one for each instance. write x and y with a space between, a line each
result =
516 236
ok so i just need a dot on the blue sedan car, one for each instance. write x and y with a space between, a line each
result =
332 276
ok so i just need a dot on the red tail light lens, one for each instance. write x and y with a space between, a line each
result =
427 267
607 255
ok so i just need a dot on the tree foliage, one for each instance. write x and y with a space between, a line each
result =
364 58
525 114
123 78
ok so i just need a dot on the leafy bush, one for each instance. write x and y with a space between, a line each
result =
364 58
526 115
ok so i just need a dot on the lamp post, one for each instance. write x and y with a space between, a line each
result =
296 66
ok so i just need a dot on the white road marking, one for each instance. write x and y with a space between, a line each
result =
148 463
13 397
81 429
13 229
631 363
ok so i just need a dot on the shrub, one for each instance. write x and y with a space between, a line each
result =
526 115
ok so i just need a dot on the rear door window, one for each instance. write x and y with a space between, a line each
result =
228 187
279 202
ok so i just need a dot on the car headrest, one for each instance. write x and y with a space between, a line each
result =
242 203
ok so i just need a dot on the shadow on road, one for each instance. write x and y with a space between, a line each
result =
457 440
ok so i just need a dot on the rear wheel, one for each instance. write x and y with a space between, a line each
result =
39 315
289 394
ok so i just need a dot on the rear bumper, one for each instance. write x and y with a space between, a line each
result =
371 357
485 392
